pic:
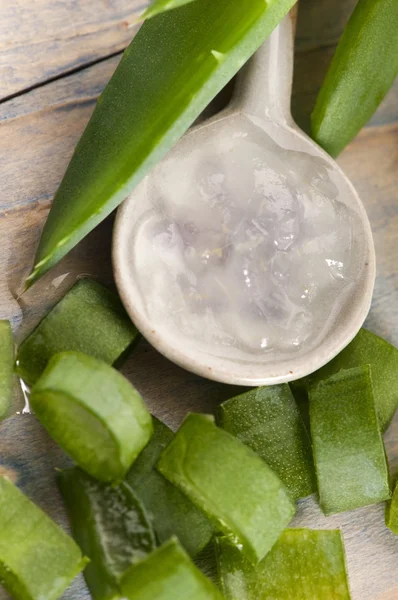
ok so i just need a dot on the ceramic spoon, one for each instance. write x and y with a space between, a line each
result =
246 256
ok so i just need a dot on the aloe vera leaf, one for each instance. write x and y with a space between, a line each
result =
158 6
171 512
111 527
303 564
230 483
174 66
6 367
93 413
349 455
168 574
38 560
365 349
361 73
89 319
268 421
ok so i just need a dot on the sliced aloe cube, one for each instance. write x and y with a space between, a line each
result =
168 574
365 349
6 367
268 421
303 565
38 560
93 413
348 448
171 512
88 319
111 527
230 483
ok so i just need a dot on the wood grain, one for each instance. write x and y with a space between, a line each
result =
38 132
43 39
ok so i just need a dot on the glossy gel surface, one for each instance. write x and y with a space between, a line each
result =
243 248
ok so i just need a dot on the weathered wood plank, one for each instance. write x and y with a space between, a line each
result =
42 39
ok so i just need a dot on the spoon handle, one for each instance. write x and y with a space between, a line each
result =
264 85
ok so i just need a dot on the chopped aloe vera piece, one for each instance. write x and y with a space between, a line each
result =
168 574
230 483
171 512
268 421
38 560
6 367
303 565
111 527
88 319
392 512
365 349
93 413
348 448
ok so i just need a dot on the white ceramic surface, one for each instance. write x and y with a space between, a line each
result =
263 94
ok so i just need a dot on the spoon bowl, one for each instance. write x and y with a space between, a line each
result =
246 255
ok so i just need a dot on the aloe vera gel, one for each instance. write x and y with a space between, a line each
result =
242 248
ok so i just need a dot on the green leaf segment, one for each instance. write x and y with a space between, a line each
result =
349 455
268 421
170 511
303 565
88 319
111 527
93 413
230 483
361 73
174 66
168 574
38 560
365 349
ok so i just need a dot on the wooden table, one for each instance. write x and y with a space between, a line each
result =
55 58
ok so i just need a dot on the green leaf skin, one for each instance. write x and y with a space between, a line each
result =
230 483
361 73
303 565
158 6
6 367
88 319
268 421
366 349
348 448
168 574
93 413
174 66
111 527
171 512
38 560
